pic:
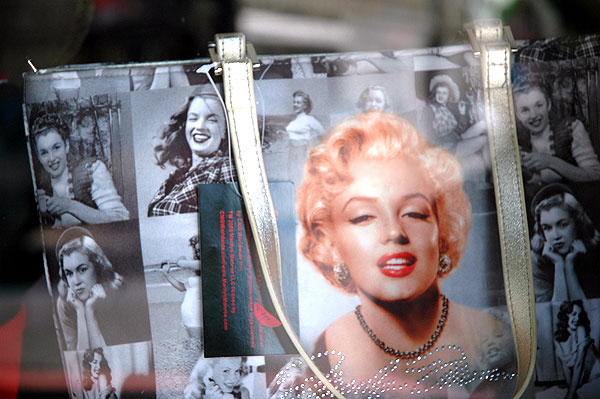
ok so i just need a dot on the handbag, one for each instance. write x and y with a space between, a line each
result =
189 259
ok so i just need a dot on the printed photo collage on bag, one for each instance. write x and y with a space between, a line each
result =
557 112
156 288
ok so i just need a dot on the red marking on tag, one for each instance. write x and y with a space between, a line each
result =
265 318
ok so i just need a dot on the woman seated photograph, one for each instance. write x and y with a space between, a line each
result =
195 143
551 150
71 193
96 377
444 121
385 218
564 248
95 307
576 350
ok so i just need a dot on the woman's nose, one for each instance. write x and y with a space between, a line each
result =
394 232
199 123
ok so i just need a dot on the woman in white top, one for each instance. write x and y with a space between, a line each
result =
303 131
191 309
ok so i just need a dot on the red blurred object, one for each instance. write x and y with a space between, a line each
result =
11 341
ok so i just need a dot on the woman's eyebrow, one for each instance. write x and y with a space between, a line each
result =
417 195
206 115
361 198
374 199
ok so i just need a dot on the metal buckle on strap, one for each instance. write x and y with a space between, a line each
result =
216 58
505 35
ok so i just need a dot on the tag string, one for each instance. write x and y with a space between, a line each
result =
205 69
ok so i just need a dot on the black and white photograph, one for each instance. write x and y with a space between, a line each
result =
165 76
173 276
170 249
557 127
564 247
568 358
352 95
353 64
113 372
76 145
558 132
98 284
449 113
293 116
180 140
228 378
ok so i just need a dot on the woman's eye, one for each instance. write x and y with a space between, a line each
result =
360 219
563 224
417 215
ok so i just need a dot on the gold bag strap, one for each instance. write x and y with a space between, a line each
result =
493 44
488 38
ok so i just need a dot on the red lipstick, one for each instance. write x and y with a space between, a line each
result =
397 265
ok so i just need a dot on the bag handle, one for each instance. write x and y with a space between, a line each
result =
493 44
240 102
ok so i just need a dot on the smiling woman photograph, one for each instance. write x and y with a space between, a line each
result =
96 305
96 375
385 218
218 378
195 143
374 98
71 193
551 150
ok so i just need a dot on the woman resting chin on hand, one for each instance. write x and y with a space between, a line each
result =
87 279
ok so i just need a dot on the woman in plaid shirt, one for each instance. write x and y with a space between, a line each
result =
194 141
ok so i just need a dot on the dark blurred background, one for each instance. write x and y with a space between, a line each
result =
57 32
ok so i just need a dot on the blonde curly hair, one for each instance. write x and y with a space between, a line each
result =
377 136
